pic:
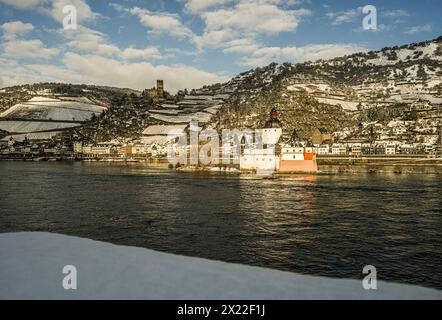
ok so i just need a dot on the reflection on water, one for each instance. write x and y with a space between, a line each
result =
329 225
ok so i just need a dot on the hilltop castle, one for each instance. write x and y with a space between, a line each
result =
156 93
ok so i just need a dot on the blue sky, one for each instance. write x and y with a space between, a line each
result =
189 43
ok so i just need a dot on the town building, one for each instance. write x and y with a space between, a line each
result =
339 149
355 149
379 149
78 147
390 149
367 149
324 149
409 149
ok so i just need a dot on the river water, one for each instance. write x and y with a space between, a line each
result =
330 225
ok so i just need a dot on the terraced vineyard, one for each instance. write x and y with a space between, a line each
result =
42 117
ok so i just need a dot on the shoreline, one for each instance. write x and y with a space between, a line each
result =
153 275
347 165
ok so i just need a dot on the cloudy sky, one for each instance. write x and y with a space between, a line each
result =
189 43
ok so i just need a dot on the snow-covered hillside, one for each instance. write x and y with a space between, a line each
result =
324 89
44 117
327 94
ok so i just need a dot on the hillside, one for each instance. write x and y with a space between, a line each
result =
41 111
339 93
337 96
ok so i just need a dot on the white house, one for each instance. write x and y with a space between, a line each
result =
324 149
356 149
390 149
339 149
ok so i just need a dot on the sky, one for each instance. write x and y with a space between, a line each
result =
191 43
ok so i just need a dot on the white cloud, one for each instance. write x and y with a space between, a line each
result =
419 29
247 19
380 28
97 70
344 16
52 73
100 70
147 53
196 6
90 41
23 4
352 14
215 38
84 11
162 22
267 55
13 73
256 18
54 8
395 13
241 46
16 28
28 49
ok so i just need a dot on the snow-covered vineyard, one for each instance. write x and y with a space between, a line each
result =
42 117
174 118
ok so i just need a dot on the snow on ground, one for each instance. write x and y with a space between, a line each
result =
77 99
33 126
221 96
213 110
185 118
167 112
405 54
347 105
164 129
310 88
199 97
45 108
150 140
31 267
74 105
169 106
32 136
32 112
43 99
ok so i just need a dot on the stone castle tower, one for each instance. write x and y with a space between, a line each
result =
156 93
160 88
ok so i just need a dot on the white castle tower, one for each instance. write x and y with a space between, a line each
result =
272 131
264 158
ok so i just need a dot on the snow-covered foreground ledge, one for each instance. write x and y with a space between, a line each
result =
31 267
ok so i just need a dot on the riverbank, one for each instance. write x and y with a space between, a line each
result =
397 165
31 267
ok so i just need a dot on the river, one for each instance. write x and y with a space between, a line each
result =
327 224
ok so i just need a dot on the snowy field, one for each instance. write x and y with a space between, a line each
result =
44 108
69 109
166 112
164 129
150 140
33 126
31 267
33 136
202 117
346 105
